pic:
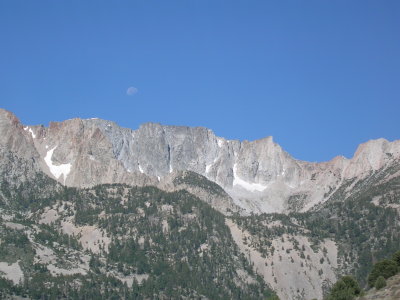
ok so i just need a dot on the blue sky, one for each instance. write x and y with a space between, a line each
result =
320 76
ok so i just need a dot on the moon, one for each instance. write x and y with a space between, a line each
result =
131 91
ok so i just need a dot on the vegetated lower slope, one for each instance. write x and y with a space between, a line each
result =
365 227
117 241
383 283
390 292
122 241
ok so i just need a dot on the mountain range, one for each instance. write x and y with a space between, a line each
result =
286 225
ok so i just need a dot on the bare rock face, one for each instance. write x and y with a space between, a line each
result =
232 176
19 159
77 153
259 176
14 138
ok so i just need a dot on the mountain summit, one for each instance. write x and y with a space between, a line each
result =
259 176
90 208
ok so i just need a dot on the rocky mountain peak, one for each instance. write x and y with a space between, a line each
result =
9 117
166 166
259 175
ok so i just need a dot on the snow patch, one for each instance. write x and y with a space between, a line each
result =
252 187
208 167
59 170
27 128
140 169
220 143
32 133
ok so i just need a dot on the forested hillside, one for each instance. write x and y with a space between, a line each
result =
116 241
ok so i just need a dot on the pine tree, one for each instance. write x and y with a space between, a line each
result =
380 283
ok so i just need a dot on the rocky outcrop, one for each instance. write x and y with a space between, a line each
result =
19 159
259 175
232 176
79 154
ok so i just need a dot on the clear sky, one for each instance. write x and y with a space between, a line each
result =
320 76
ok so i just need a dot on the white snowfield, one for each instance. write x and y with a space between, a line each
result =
59 170
27 128
32 133
220 143
140 169
208 167
252 187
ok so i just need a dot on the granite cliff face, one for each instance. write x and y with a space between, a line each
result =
340 203
19 159
259 175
